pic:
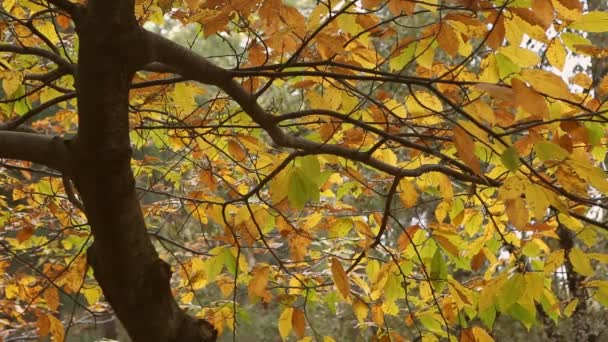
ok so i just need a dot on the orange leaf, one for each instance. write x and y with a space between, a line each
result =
298 321
259 282
397 7
466 148
530 100
51 297
236 151
340 278
448 40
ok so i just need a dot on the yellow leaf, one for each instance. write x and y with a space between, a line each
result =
396 108
56 329
47 29
481 335
184 97
580 262
92 294
445 185
537 201
568 9
422 102
512 188
328 339
592 174
481 111
425 53
466 148
547 83
517 212
340 278
441 211
11 81
8 5
348 24
535 285
556 54
594 21
522 57
361 310
408 194
187 298
285 324
279 186
461 295
429 337
569 309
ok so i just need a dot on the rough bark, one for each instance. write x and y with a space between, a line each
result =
135 281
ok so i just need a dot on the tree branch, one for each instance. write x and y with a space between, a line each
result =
36 148
76 11
195 67
35 111
24 50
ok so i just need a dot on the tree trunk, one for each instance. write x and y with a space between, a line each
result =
125 263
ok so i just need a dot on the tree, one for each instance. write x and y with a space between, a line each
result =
400 160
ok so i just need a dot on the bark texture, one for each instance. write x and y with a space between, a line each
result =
135 281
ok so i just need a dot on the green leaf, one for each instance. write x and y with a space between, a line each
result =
546 150
488 316
439 271
595 131
310 167
510 159
405 57
511 291
572 39
431 324
505 65
302 189
525 316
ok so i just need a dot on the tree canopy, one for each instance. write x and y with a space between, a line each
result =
414 169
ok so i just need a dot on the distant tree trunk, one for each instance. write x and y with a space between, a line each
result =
581 325
599 66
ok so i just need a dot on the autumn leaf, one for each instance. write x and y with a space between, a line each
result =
340 278
285 322
466 148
